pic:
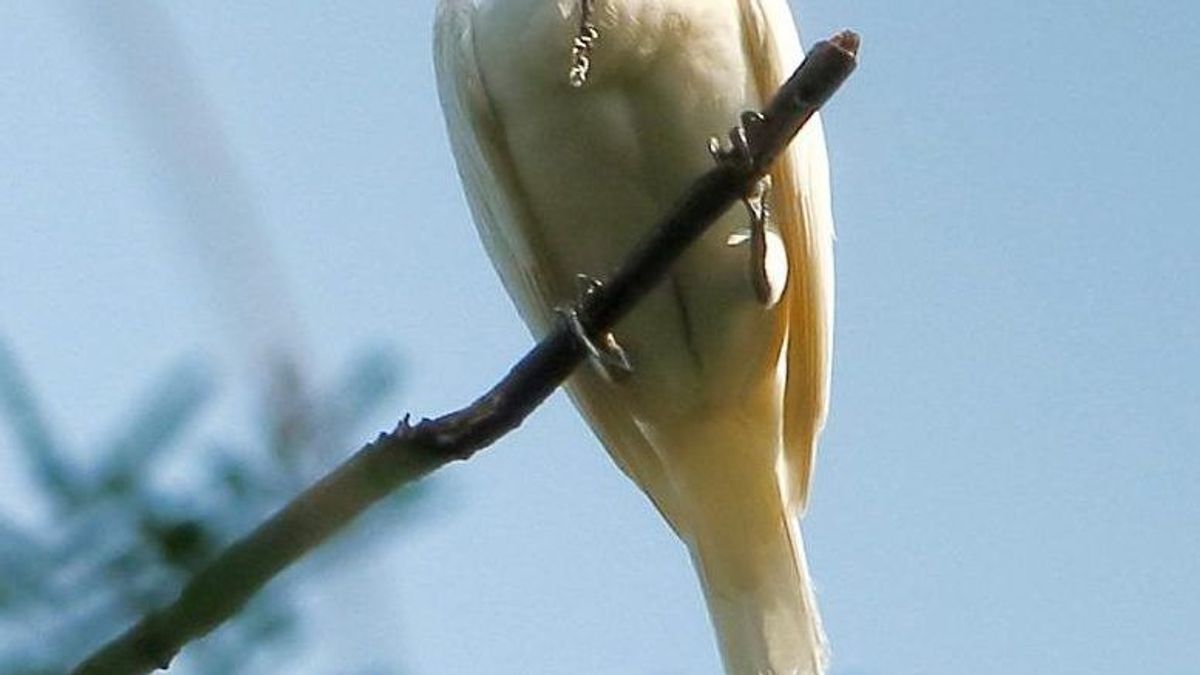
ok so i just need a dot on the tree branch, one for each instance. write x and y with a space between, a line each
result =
411 452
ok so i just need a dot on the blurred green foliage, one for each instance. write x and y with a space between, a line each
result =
115 543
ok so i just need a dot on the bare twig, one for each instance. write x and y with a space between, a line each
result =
411 452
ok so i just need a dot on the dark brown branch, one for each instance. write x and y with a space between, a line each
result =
411 452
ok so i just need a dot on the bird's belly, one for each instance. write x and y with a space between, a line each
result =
601 165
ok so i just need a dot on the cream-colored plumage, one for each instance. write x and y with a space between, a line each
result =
719 422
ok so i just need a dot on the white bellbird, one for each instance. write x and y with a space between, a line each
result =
576 124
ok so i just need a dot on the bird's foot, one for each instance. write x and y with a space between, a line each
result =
743 144
744 140
608 355
581 45
758 207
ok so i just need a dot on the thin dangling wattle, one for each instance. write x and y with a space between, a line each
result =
581 45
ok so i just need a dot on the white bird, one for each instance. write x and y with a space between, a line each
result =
568 157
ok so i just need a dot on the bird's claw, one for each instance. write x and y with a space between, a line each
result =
608 355
744 140
758 204
740 154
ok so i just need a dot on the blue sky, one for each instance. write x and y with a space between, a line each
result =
1009 478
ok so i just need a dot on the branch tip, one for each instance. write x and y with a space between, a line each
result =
847 41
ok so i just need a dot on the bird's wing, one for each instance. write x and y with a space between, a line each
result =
484 164
803 213
506 226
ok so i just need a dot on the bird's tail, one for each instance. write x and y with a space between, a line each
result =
743 532
752 566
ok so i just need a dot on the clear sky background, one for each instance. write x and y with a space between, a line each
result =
1010 481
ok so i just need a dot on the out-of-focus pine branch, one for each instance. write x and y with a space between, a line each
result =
42 451
118 543
115 544
175 402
